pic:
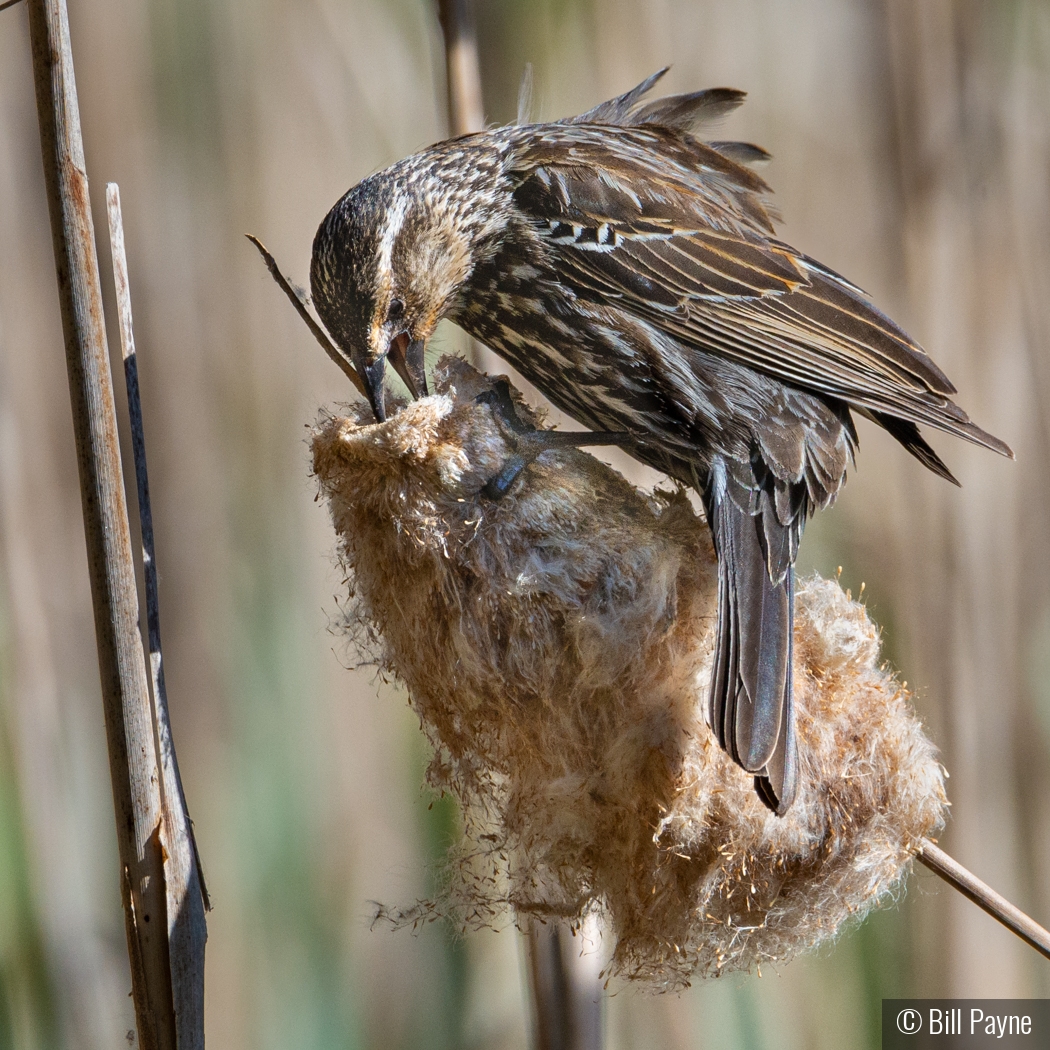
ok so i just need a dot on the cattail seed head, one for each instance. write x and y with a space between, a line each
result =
556 645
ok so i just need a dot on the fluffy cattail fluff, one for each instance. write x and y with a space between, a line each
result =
556 645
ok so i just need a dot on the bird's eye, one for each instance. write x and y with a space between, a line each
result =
395 310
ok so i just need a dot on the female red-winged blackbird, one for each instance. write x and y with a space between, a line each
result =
631 272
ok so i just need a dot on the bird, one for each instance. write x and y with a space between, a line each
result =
630 270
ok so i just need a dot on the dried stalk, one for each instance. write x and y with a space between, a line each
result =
984 897
187 896
566 999
465 111
134 771
567 1012
304 312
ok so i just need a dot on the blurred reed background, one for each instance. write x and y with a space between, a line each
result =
912 152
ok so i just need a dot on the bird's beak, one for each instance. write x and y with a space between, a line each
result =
406 357
375 388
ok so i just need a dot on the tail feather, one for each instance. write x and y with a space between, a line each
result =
777 784
751 705
722 710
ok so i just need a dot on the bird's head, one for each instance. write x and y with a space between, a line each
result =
388 262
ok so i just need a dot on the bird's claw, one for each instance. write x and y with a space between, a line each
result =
526 442
503 408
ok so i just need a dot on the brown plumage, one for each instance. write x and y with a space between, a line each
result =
631 272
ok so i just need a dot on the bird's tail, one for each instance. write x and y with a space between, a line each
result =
751 707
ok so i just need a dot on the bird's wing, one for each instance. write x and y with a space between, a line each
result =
651 220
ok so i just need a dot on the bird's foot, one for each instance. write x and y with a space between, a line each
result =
504 411
526 442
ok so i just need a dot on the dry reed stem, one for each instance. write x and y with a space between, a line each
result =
466 112
134 771
565 990
187 896
996 905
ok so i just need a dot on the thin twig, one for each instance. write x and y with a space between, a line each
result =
9 3
134 770
298 302
187 894
984 896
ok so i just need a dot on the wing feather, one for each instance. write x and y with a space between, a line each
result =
690 111
678 234
617 110
755 268
742 152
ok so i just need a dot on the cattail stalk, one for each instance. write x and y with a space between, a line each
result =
566 998
466 111
995 904
462 69
566 1011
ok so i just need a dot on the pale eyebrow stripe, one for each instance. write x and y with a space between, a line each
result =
392 223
